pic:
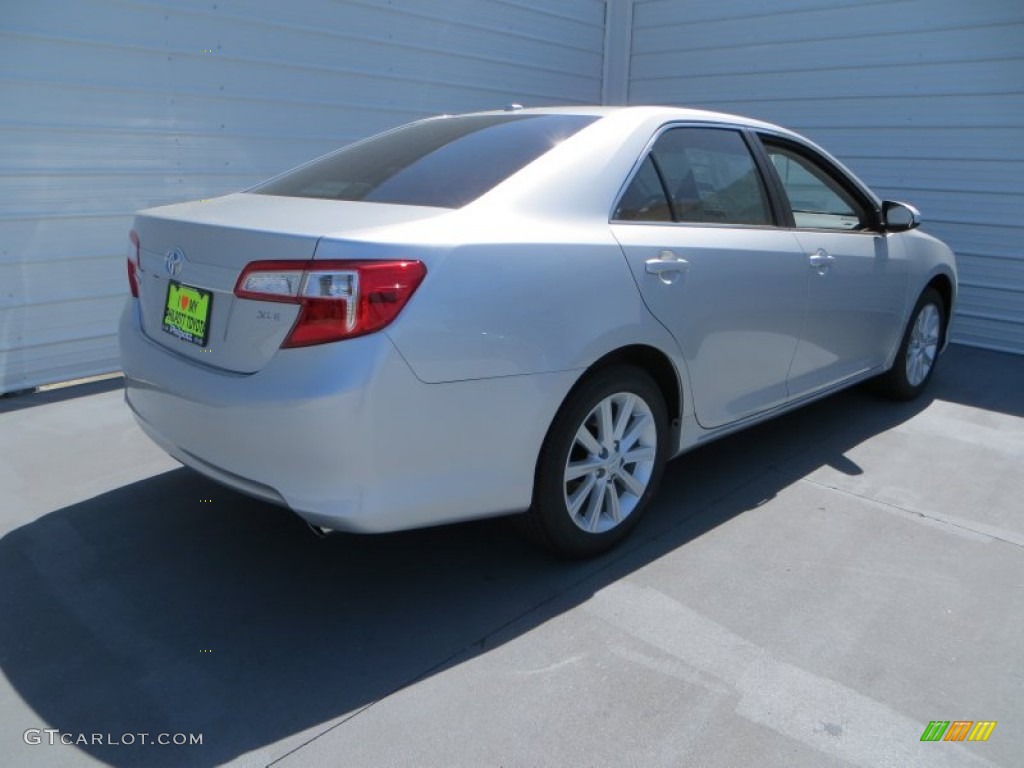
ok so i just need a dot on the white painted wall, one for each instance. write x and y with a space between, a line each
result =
108 106
923 99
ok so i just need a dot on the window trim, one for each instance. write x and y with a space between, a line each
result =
776 207
656 165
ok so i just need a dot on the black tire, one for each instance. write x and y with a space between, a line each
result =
904 381
550 520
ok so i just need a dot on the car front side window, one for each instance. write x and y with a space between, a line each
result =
817 199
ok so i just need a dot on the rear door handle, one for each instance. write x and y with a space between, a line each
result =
667 266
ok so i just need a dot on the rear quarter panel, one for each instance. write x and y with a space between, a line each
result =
524 306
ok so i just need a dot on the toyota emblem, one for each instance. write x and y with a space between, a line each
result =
173 260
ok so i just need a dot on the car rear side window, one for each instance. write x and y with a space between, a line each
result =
644 198
709 175
447 162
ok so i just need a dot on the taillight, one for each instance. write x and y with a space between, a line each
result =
134 264
338 299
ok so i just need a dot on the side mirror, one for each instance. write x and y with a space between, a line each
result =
899 217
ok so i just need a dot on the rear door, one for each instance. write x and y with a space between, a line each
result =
699 231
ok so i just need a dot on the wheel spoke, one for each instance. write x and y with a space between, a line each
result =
580 495
605 428
642 453
932 327
625 413
585 438
593 514
577 469
636 429
614 509
632 485
920 368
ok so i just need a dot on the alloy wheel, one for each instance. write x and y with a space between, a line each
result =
924 344
610 462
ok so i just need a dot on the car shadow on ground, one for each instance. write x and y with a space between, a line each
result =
173 605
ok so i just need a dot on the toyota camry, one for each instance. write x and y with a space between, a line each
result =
526 311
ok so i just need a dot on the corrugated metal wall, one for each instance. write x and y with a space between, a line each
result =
113 105
107 106
924 99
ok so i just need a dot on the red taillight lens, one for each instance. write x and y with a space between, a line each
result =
134 264
339 299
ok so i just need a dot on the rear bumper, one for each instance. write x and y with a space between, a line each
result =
345 434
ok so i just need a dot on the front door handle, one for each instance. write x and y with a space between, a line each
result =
821 260
667 266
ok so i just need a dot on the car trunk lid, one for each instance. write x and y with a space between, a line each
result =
192 254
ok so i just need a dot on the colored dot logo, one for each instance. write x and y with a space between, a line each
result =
206 650
206 501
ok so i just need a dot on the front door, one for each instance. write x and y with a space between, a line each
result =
858 279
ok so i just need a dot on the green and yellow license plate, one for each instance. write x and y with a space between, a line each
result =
187 313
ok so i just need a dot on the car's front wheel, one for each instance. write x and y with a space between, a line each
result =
600 464
919 349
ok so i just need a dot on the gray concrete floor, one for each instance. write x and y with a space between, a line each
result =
809 593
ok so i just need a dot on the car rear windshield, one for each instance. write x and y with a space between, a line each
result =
446 162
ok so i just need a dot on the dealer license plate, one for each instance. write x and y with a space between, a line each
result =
187 313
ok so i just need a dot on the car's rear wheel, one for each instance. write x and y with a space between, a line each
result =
919 349
600 464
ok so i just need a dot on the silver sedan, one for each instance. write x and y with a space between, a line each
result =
523 311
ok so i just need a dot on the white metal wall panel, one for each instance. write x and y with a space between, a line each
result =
113 105
924 99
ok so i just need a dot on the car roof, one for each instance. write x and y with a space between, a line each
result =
641 120
639 114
